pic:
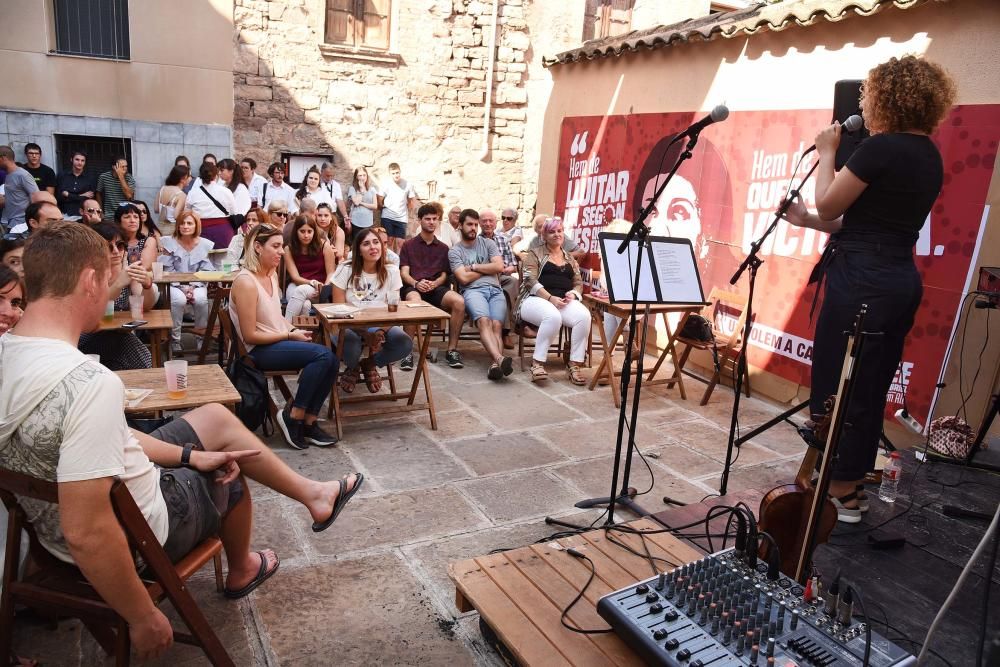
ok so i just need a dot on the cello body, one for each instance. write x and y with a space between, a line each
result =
785 514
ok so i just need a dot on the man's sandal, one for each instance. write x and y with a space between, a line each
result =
538 373
576 375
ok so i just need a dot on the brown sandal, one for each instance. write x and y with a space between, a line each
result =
538 373
349 379
373 379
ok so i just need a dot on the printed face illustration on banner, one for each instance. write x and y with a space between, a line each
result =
724 197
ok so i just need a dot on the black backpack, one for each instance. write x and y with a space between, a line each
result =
253 408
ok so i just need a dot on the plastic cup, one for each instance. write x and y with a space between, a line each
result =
157 270
227 267
177 374
109 312
392 301
135 306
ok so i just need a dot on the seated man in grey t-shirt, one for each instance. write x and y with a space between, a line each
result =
476 262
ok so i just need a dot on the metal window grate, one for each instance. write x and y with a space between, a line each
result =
100 151
95 28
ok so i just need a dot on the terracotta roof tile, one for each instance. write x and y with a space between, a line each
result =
749 21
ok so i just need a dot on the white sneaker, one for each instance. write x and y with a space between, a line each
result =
847 514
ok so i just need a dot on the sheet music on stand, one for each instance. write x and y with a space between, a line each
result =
669 270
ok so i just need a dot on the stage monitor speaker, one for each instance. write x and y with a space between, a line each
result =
846 103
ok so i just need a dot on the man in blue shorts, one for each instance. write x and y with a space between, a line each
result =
476 262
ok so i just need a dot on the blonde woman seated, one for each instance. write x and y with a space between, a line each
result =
550 298
365 281
310 261
186 251
273 344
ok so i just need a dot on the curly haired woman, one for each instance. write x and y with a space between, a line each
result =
874 209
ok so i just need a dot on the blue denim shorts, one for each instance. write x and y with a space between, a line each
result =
394 228
487 301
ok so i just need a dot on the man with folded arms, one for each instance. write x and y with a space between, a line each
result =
63 422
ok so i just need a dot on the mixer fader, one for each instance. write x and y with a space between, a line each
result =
722 611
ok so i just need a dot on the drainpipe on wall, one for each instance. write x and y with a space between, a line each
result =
484 153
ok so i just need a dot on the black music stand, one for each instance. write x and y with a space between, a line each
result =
654 270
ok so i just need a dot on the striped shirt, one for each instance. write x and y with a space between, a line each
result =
111 190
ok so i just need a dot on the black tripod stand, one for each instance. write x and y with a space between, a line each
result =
625 497
753 262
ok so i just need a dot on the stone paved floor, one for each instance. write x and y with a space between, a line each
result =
373 589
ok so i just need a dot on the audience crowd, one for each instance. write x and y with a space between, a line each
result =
78 246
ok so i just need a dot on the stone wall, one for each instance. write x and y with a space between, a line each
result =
423 106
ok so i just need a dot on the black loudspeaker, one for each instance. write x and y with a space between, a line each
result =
846 103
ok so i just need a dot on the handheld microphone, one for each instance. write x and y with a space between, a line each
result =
719 113
852 124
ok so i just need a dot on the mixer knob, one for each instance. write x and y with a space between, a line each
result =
661 581
754 652
683 654
655 608
671 615
772 630
727 635
715 625
795 619
697 663
704 616
642 589
659 634
690 607
652 597
770 647
670 590
672 643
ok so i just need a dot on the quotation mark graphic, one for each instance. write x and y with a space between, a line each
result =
579 144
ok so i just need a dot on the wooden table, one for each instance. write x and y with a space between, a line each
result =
599 305
423 317
206 384
213 312
521 593
158 324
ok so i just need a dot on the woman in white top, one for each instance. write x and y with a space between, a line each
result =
365 282
311 189
228 174
170 202
214 214
362 199
273 344
187 252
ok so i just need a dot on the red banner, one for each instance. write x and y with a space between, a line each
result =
724 197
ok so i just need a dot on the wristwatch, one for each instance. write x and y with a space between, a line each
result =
186 455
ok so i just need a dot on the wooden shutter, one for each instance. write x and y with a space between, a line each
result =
619 17
592 20
374 24
340 22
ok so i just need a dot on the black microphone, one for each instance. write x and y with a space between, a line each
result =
718 114
851 125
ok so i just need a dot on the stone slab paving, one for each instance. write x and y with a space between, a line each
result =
373 589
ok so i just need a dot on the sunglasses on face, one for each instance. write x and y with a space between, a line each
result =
93 210
506 217
117 246
281 213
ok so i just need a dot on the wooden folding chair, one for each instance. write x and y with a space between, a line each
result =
219 296
725 307
60 589
278 376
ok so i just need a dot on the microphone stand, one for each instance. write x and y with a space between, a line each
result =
753 262
624 497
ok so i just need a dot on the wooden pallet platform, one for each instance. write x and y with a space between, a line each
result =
520 594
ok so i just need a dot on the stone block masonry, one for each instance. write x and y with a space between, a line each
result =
421 103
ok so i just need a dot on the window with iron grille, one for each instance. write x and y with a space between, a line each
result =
100 151
94 28
607 18
358 24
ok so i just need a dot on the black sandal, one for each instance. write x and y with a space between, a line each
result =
342 499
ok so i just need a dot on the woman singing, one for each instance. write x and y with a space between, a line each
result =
874 209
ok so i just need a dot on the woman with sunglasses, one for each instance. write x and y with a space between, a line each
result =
146 224
277 211
121 349
274 344
187 252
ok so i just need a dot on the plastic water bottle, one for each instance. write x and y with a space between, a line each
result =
890 478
